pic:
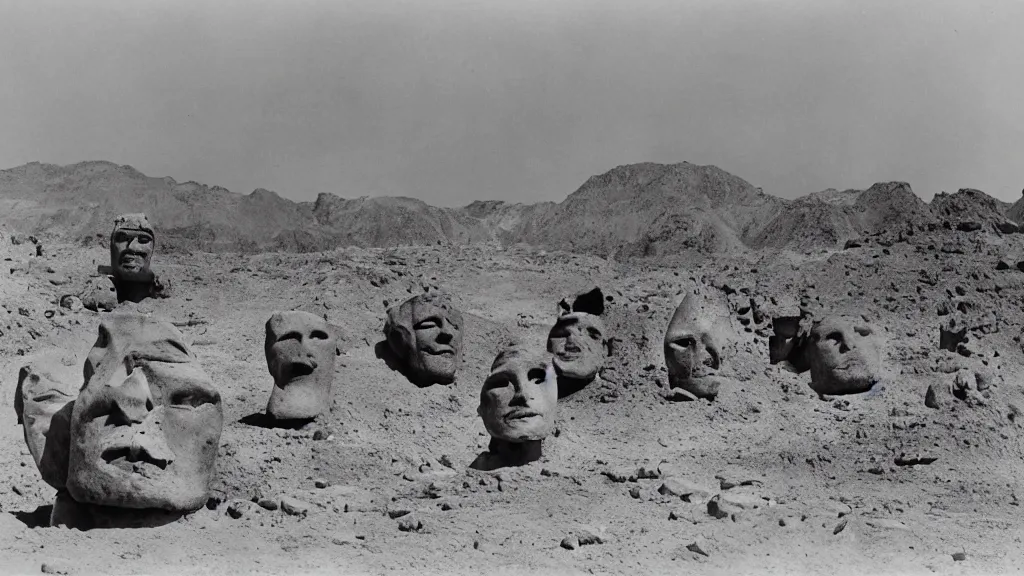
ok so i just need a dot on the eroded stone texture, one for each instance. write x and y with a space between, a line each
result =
518 405
842 355
694 344
425 335
300 349
577 341
44 400
146 425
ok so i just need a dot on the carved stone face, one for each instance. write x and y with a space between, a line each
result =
519 400
131 248
842 355
693 347
577 344
425 333
300 349
146 425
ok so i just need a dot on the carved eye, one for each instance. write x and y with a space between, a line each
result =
290 336
496 382
687 342
863 330
120 237
594 333
143 239
318 335
836 337
537 375
427 324
193 398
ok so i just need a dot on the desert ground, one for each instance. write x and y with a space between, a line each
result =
812 483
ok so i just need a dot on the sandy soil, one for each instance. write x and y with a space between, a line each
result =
819 490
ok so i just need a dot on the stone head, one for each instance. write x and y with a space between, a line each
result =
577 344
300 348
519 399
146 425
131 248
425 334
694 344
842 355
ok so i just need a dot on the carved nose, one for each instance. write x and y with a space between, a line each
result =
131 399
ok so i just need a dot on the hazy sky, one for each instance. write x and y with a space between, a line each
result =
518 100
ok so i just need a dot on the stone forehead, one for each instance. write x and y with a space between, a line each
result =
696 307
296 320
118 330
404 312
519 356
580 318
134 221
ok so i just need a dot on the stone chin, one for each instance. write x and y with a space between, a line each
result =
522 432
108 485
300 399
579 369
849 380
701 386
436 368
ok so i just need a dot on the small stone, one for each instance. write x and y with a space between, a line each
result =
410 524
267 504
55 567
587 537
931 397
238 508
959 556
321 483
841 526
635 492
683 489
570 543
294 506
699 546
397 513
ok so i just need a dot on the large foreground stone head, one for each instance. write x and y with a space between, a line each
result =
146 425
131 248
519 399
842 355
694 344
300 348
425 334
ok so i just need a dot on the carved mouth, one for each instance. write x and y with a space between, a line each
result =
299 369
522 415
440 352
123 455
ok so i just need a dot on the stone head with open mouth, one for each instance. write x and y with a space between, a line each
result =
300 349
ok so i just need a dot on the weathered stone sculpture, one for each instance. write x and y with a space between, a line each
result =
842 356
577 341
300 348
518 405
841 352
425 335
694 345
138 446
129 277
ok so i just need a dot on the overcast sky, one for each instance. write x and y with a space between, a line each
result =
452 101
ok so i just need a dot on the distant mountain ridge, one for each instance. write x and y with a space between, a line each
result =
644 209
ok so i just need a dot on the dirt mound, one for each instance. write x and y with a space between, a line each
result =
969 209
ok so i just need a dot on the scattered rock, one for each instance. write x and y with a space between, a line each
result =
321 483
55 567
294 506
570 543
699 546
410 524
931 397
267 504
238 508
841 526
959 556
904 460
683 489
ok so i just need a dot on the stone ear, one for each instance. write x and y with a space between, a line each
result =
400 340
